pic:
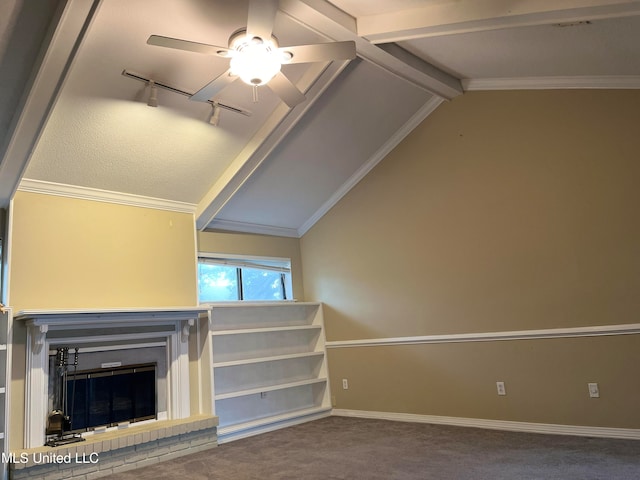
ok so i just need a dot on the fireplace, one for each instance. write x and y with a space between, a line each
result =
132 366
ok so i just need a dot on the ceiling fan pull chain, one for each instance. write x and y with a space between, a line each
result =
255 94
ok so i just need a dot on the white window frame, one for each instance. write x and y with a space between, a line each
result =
279 264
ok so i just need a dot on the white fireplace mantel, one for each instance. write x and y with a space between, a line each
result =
41 323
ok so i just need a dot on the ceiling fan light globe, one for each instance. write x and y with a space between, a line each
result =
255 64
285 56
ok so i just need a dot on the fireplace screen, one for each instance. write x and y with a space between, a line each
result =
97 397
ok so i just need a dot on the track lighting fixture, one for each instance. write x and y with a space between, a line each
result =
214 115
153 94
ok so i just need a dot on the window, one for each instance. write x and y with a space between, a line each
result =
225 278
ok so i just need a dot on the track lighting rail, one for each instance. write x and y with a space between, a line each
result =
141 78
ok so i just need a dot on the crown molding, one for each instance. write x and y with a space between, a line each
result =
381 153
106 196
245 227
631 82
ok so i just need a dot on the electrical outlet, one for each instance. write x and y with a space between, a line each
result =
345 384
500 388
594 391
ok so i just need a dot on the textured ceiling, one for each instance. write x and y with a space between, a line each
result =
103 135
606 46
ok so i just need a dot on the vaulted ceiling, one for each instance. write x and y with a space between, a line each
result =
72 124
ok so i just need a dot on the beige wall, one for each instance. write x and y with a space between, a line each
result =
69 253
257 245
502 211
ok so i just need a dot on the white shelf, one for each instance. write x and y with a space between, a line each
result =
272 347
269 388
239 427
241 331
275 358
3 346
2 390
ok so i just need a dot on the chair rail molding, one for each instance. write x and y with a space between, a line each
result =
570 332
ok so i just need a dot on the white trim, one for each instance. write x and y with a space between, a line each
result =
234 256
36 382
178 375
246 227
428 108
106 196
115 348
549 83
109 316
587 331
6 261
546 428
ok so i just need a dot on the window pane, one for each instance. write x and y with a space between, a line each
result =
217 283
261 284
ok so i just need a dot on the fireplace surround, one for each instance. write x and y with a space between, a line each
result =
109 338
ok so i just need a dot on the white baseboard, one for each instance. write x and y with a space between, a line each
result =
548 428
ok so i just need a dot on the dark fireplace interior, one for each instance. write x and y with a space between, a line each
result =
107 397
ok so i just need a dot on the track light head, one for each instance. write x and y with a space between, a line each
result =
153 94
214 115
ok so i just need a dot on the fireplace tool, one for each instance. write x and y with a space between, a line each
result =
59 425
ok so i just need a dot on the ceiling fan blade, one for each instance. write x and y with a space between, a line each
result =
213 87
320 52
178 44
262 15
286 90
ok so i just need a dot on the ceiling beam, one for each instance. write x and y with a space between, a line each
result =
463 16
329 21
40 93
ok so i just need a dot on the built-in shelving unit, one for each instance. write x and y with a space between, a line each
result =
5 361
269 366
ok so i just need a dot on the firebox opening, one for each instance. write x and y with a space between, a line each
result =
108 397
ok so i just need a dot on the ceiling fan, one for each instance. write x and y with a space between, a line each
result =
256 58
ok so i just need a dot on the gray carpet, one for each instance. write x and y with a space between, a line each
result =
350 448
